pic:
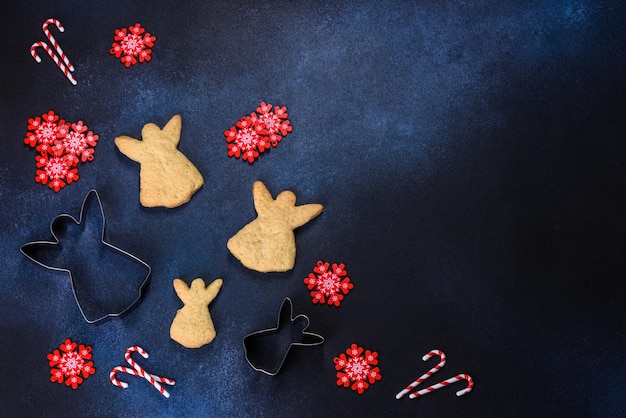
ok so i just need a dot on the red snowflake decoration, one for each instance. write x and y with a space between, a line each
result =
256 133
330 284
133 44
356 370
71 365
62 146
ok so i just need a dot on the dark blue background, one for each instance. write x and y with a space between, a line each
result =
469 158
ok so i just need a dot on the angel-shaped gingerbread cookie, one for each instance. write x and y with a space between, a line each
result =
167 177
192 327
267 244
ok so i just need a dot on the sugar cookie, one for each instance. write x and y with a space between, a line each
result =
192 327
267 244
167 177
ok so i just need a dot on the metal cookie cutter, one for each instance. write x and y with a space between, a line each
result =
100 273
266 350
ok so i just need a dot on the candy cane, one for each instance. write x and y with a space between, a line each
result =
137 367
54 43
54 58
137 370
442 384
426 375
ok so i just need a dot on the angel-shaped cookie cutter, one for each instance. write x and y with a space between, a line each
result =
266 350
43 253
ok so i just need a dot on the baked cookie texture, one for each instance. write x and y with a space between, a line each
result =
167 177
268 244
192 326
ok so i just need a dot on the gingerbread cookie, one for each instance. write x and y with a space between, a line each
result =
192 327
167 177
267 244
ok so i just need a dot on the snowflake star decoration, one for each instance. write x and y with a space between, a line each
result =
356 369
256 133
133 44
328 284
70 364
62 146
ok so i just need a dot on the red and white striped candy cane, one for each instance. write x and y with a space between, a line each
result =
150 377
54 58
427 356
443 384
137 370
54 43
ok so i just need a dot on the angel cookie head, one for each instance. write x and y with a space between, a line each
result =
267 244
167 177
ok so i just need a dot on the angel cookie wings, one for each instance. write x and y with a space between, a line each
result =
167 177
267 244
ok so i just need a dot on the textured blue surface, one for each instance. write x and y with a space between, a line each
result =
469 157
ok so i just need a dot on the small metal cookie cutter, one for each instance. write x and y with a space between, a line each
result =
266 350
112 293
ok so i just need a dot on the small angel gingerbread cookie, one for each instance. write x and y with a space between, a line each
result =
167 177
267 244
193 327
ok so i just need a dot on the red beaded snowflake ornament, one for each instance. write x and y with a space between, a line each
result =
328 285
70 364
62 146
356 370
133 44
254 134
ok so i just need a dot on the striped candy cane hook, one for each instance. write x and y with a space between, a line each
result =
137 370
427 356
54 43
444 383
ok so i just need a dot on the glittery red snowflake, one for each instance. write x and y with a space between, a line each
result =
133 44
329 284
356 370
62 146
70 364
256 133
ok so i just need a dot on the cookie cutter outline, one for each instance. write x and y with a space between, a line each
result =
93 192
275 330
